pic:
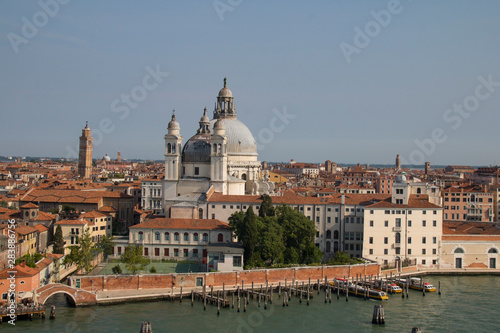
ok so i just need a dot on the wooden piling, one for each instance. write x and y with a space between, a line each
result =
422 285
439 287
232 300
181 296
204 297
279 289
300 300
218 303
265 302
318 286
308 290
252 290
192 297
245 304
238 303
53 312
378 315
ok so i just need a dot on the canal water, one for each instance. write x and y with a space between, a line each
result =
467 304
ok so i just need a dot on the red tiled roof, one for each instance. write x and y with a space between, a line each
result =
73 196
21 271
29 205
107 209
413 202
40 227
92 214
72 222
452 230
167 223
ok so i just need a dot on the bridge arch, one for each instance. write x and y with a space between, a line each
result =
79 297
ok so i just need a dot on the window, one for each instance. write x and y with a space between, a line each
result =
434 251
220 238
166 252
186 252
424 240
157 251
213 206
424 212
317 219
371 211
237 261
386 240
223 206
199 281
195 253
231 207
196 170
398 223
329 219
423 251
409 240
434 240
195 237
386 251
141 236
167 236
423 262
157 235
146 251
176 236
424 223
434 212
371 240
328 234
387 212
176 252
386 223
371 251
371 223
434 223
409 251
329 209
213 216
409 223
205 237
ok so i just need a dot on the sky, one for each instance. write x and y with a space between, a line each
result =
346 81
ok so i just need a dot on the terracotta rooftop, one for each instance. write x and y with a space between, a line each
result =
196 224
72 222
415 201
72 196
92 214
40 227
29 205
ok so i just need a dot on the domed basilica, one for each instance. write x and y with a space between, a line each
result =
222 155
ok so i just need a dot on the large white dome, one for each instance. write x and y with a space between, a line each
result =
239 138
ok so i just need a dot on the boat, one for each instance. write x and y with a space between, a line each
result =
391 288
416 284
360 290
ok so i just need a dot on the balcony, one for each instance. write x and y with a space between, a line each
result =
396 229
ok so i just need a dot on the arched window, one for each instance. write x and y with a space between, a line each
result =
205 237
335 246
176 236
186 237
169 148
173 148
419 190
220 238
459 250
157 235
200 213
398 238
328 247
215 148
219 148
328 235
492 250
167 236
244 176
472 198
336 234
196 237
141 235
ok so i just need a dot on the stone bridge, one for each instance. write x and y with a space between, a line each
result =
79 297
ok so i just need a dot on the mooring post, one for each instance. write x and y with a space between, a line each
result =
378 315
252 290
279 289
53 312
300 300
218 303
318 286
192 297
232 300
224 292
308 290
181 295
245 304
238 303
271 297
439 287
346 292
205 297
265 302
422 285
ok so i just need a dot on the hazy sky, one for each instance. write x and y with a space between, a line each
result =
363 80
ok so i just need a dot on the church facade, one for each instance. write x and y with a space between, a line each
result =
220 157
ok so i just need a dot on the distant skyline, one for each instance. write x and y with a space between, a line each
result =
361 81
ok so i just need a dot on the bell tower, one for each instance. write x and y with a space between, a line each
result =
218 157
173 146
85 154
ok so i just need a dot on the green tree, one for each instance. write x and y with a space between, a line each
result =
4 204
117 269
271 247
266 207
67 208
58 241
83 254
152 270
133 259
106 244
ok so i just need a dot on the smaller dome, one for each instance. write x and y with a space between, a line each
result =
204 118
107 158
173 124
225 92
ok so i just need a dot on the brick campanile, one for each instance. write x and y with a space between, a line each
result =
85 157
